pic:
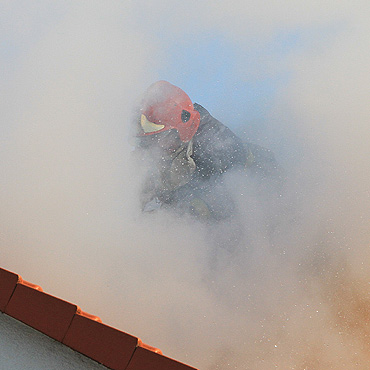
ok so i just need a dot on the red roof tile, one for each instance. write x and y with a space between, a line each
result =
8 281
149 360
109 346
83 332
50 315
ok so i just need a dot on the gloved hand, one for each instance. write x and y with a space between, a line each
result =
199 208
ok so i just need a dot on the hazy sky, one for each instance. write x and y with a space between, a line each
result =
292 76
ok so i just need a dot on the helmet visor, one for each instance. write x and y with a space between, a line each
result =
149 127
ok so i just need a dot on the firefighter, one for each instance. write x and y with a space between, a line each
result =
189 152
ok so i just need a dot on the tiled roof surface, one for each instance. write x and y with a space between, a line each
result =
85 333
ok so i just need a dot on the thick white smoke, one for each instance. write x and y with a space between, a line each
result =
295 296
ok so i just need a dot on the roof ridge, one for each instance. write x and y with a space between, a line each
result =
79 330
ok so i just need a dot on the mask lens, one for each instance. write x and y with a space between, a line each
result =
185 116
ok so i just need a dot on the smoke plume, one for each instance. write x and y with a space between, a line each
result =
295 294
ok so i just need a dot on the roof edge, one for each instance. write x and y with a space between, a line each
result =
79 330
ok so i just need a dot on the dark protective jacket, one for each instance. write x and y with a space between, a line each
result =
216 149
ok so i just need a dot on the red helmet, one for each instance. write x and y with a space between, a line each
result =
165 107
